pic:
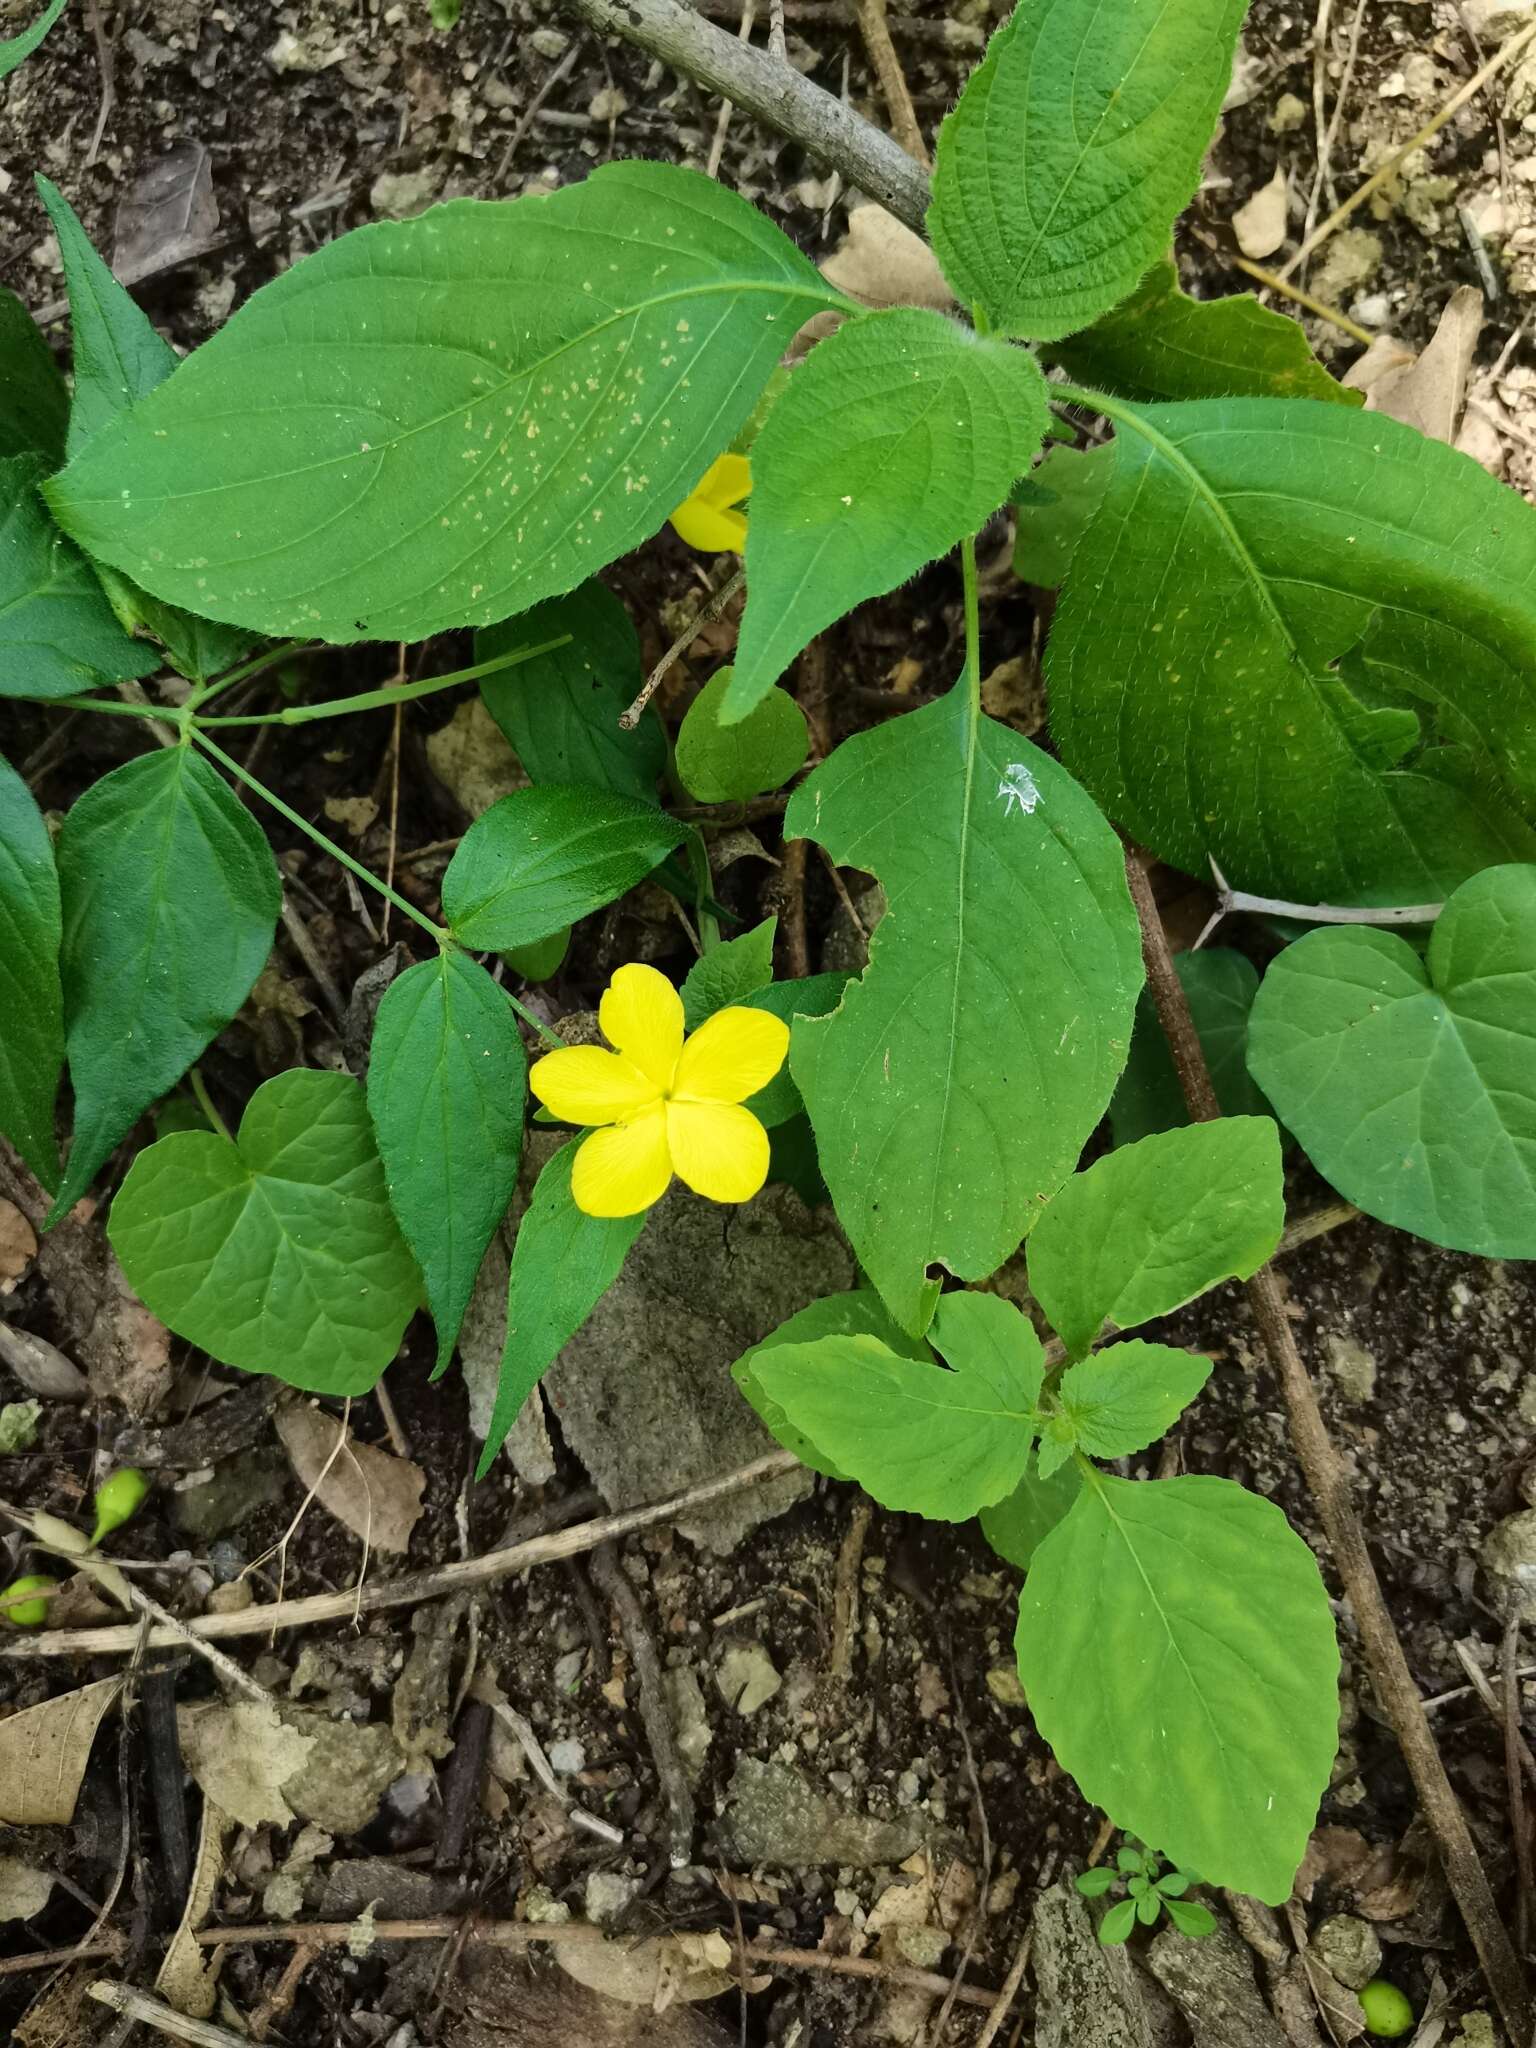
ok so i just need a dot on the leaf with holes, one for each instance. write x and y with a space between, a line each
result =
442 421
1411 1083
447 1083
31 1002
275 1251
898 436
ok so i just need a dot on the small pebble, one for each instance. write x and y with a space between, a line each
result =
569 1757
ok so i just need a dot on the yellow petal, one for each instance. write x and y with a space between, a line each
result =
731 1056
641 1015
720 1150
585 1085
619 1172
705 518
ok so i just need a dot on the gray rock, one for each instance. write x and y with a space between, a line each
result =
1212 1982
685 1696
1509 1558
775 1814
230 1497
747 1677
1348 1949
1088 1995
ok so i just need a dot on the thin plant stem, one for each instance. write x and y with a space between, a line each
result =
549 1036
287 650
393 694
972 623
329 846
114 707
205 1102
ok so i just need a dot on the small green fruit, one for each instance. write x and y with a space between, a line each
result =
27 1613
1387 2012
118 1499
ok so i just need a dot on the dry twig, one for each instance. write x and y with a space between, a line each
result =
709 611
875 30
655 1711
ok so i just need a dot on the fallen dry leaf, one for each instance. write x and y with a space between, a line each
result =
1430 392
376 1494
18 1245
24 1889
189 1976
656 1973
41 1369
1260 224
881 262
241 1756
43 1754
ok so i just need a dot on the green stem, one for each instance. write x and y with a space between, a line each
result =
972 622
536 1023
399 693
287 650
1094 401
205 1102
329 846
169 713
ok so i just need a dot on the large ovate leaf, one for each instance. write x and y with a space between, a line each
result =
563 1262
277 1251
1178 1652
955 1085
1411 1083
560 711
544 857
57 631
1161 343
442 421
929 1441
858 1313
1150 1226
170 899
31 1003
1219 985
898 436
447 1084
1128 1395
15 50
1244 548
34 399
1018 1526
1073 149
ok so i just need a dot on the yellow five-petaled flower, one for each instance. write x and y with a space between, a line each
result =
663 1106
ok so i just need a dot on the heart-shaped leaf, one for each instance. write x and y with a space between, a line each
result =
277 1251
1411 1083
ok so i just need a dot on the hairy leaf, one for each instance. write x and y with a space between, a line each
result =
729 973
899 435
447 1083
57 631
1220 985
718 762
918 1438
1411 1083
563 1262
1018 1526
1242 550
34 399
276 1252
542 858
441 421
860 1313
1160 343
1152 1225
1178 1651
1072 151
170 897
956 1084
560 711
17 49
1128 1395
1056 506
31 1003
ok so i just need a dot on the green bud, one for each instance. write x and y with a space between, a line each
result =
1387 2012
118 1500
27 1613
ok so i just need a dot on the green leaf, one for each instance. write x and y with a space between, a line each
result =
1126 1397
1073 149
1191 1918
1056 505
447 1082
441 421
277 1252
32 1042
57 632
860 1313
1152 1225
729 973
719 761
1242 550
1177 1648
34 399
811 995
563 1262
118 359
1160 343
1093 1884
927 1441
17 49
1130 1859
1220 985
1117 1923
1173 1884
898 435
1411 1083
170 897
1148 1907
560 711
953 1089
542 858
542 958
1017 1526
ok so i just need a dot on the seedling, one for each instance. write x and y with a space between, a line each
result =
1151 1891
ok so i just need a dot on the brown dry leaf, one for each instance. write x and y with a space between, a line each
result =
656 1973
241 1756
18 1245
356 813
43 1754
881 262
376 1494
1260 224
1430 393
41 1369
24 1889
471 759
189 1976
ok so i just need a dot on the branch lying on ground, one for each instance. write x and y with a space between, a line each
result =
1327 1480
